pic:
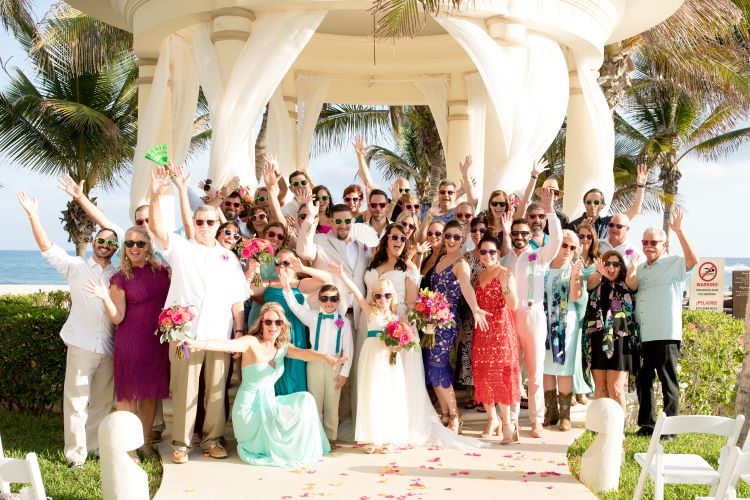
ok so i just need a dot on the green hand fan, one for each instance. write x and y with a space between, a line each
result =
158 154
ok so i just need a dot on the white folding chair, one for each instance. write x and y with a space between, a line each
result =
737 468
17 470
684 468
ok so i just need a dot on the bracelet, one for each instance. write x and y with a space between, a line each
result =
641 185
237 330
534 176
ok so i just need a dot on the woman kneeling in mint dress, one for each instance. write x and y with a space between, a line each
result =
282 431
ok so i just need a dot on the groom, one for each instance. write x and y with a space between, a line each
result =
339 246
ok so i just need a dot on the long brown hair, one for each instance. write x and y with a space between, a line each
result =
381 252
594 247
492 224
257 328
126 267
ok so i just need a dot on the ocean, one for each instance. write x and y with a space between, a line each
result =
27 267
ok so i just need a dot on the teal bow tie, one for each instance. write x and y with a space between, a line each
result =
327 316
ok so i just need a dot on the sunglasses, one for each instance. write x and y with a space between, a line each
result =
253 218
261 198
301 216
436 234
346 221
395 237
273 234
466 216
650 243
269 322
537 216
298 183
502 204
614 264
351 200
594 202
103 241
566 246
443 192
283 263
209 222
379 296
618 226
488 252
404 190
141 222
409 226
479 230
232 204
232 234
520 233
378 205
207 185
452 236
328 298
412 207
585 237
133 243
323 197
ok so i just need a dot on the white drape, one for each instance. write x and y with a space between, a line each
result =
185 87
528 88
590 140
276 41
477 111
435 91
311 92
208 67
279 133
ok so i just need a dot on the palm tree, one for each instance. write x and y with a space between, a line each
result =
78 113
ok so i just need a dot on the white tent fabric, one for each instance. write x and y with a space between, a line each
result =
185 87
477 110
528 88
208 67
279 133
276 41
311 92
435 91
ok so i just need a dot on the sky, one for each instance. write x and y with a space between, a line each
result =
716 193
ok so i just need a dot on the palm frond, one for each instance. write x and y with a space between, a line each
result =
339 124
720 145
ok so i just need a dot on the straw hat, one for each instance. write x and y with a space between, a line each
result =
550 184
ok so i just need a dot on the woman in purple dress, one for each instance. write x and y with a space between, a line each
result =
451 277
133 302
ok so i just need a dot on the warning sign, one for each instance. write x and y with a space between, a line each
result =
707 286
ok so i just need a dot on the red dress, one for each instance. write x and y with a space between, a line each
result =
494 355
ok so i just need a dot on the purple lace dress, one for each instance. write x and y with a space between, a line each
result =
141 362
437 367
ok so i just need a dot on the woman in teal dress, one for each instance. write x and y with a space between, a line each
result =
280 431
589 251
294 378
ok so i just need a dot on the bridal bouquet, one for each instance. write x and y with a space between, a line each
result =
431 311
175 323
255 249
397 336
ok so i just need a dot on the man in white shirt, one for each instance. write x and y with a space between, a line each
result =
619 227
88 392
528 267
207 277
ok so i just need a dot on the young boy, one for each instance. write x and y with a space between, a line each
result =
330 333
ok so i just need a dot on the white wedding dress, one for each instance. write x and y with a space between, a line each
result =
425 427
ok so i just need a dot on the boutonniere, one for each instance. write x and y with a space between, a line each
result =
339 323
629 252
224 257
532 257
367 249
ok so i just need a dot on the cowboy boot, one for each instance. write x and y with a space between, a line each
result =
564 401
551 414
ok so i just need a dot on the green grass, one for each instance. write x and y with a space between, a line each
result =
22 434
708 446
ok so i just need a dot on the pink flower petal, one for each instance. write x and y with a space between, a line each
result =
473 454
436 459
464 472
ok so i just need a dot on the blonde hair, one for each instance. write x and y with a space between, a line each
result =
257 328
413 238
384 285
126 266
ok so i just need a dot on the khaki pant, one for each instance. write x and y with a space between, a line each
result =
321 383
88 396
531 328
185 378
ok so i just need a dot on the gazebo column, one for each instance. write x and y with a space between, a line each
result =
459 139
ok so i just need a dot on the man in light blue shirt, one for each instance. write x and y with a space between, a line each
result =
661 281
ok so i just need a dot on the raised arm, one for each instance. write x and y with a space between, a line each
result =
112 299
595 278
509 290
549 251
675 224
310 355
317 277
462 271
469 182
537 168
631 280
506 221
241 344
182 180
31 207
272 186
306 247
338 270
67 184
641 180
304 314
576 281
364 169
159 186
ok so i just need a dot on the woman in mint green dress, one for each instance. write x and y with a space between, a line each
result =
280 431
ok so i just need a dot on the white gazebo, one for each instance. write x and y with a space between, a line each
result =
500 76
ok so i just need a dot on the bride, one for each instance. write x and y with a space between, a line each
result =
390 262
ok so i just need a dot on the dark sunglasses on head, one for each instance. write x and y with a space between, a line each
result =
396 237
650 243
103 241
379 296
351 199
273 234
232 234
614 264
404 190
269 322
488 252
209 222
594 202
253 218
328 298
537 216
141 222
298 183
466 216
618 226
207 185
415 206
566 246
232 204
452 236
443 192
346 221
502 204
520 233
378 205
480 230
261 198
132 243
436 234
585 237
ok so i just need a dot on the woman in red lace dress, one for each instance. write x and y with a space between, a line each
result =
494 359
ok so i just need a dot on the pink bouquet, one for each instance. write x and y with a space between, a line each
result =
255 249
245 194
431 311
397 336
174 325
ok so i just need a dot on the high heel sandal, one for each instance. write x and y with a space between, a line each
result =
492 428
456 424
369 449
445 418
386 449
510 436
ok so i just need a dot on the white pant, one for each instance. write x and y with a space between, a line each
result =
88 397
321 383
531 327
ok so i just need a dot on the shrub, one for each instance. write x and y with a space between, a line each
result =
32 354
56 298
710 361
